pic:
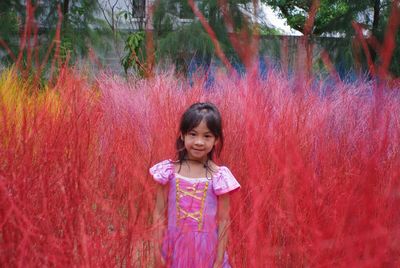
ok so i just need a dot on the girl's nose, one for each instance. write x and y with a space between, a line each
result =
199 142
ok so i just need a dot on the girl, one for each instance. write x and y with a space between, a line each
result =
198 203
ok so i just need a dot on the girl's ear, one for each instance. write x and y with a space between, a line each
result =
181 136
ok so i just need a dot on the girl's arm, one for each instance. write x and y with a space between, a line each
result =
159 220
223 227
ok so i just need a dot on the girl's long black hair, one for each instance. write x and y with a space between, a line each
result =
191 118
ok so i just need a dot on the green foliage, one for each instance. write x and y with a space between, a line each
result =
77 31
185 43
332 16
162 19
178 8
9 21
77 26
135 52
336 17
263 30
394 67
181 42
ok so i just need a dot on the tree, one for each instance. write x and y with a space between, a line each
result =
10 21
335 18
331 16
79 26
225 18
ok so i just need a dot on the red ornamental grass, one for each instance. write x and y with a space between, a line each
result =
319 165
319 173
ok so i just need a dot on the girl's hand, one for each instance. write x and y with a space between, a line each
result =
158 259
217 264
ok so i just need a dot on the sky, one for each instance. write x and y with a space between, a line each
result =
272 19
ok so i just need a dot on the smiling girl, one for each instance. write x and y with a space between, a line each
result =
193 192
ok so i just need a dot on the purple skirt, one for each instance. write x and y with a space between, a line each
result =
191 249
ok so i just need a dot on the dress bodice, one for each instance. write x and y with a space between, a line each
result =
192 235
192 204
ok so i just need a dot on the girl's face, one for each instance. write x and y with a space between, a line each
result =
199 142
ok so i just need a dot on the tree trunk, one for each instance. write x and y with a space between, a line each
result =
375 24
65 7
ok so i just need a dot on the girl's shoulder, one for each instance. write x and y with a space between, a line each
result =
224 181
163 171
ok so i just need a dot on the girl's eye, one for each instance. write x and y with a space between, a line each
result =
192 134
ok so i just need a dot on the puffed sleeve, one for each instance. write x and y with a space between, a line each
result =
162 172
224 181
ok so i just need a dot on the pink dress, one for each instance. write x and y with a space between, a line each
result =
192 234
